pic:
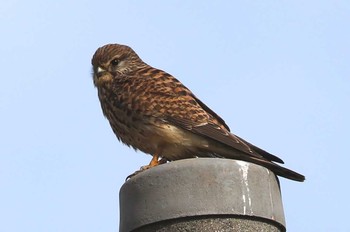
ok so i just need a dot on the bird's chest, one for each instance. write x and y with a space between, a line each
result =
138 127
129 125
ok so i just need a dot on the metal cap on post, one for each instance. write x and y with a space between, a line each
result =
202 194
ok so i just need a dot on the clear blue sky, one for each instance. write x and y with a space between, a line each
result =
277 71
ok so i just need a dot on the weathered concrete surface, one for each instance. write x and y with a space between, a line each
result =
210 224
207 193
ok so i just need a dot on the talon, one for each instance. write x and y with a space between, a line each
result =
154 162
133 174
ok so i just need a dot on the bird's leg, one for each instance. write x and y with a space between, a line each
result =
154 162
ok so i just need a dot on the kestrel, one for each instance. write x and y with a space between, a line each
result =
150 110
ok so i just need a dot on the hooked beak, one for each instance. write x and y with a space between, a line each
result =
99 72
99 69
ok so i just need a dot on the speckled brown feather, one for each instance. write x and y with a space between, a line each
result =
152 111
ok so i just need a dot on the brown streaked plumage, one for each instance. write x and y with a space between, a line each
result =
152 111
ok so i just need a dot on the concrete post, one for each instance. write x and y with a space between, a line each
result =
203 194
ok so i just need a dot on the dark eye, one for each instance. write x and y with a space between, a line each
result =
115 62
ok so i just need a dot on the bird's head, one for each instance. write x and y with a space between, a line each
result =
113 60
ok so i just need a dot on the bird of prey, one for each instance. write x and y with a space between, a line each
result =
150 110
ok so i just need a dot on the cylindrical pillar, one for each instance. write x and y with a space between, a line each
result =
202 194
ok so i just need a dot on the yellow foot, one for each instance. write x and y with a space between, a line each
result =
154 162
